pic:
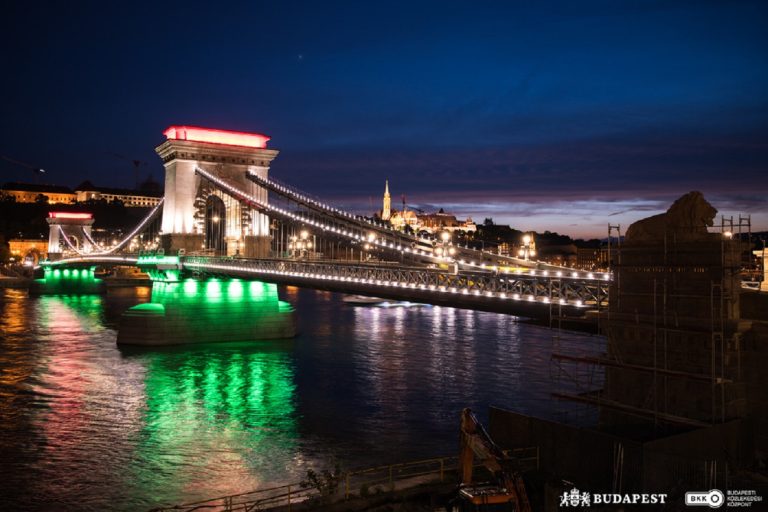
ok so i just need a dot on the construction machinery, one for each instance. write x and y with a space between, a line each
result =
506 491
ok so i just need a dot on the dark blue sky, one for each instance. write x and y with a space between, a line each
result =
558 115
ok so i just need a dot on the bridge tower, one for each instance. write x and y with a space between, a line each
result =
197 216
75 227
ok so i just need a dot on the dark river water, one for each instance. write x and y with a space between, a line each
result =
85 425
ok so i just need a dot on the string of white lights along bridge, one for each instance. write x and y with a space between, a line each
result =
501 296
88 237
564 273
317 224
299 196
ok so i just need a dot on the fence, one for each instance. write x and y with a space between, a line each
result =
349 485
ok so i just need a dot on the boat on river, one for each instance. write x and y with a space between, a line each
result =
363 300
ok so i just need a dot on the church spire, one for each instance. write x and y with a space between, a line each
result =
386 211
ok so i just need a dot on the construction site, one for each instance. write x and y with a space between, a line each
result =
675 394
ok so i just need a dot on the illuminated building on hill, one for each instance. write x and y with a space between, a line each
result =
430 222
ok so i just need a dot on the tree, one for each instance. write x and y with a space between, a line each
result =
326 483
488 221
41 199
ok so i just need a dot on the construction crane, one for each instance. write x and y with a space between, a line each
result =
507 490
137 164
36 170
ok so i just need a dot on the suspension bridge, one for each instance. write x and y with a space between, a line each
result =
223 216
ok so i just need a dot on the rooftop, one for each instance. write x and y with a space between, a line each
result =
33 187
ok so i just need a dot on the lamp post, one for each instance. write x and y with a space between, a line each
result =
305 244
445 249
528 249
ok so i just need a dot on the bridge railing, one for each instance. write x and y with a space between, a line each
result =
532 286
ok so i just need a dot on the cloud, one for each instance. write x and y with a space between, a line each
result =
621 179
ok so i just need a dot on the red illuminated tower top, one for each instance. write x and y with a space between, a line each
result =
225 137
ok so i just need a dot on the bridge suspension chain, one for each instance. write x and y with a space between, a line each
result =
356 234
466 257
88 237
315 204
69 242
100 250
345 232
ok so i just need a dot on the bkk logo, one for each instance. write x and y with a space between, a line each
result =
711 499
575 498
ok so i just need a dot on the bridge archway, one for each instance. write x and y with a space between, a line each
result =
33 255
215 224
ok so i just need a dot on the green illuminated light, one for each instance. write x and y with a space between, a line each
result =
149 307
215 310
69 281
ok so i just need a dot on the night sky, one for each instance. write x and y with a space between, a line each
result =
560 115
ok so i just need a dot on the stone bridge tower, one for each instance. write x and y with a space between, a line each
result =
197 216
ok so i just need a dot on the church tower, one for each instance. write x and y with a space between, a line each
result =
386 211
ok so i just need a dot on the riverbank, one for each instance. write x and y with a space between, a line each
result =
14 282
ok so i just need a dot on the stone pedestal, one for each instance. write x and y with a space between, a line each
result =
171 243
256 247
674 315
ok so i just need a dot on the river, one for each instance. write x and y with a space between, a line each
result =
85 425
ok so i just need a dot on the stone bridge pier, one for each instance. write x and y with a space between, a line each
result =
198 217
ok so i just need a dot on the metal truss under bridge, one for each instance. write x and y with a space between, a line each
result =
501 291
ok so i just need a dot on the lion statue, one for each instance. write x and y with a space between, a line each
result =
686 219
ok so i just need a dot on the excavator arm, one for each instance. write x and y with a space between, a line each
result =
476 443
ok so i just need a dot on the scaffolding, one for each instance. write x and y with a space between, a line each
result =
661 313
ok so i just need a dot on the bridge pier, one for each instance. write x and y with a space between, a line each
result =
67 281
207 311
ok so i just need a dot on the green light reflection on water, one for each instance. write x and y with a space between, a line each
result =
190 285
235 289
218 419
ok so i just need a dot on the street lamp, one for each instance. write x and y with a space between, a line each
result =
300 246
445 248
528 249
